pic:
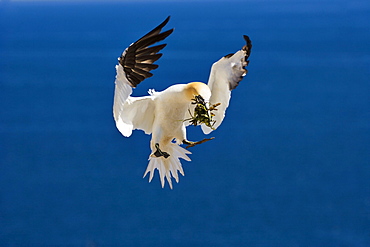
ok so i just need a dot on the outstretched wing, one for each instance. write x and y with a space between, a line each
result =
225 76
134 66
136 113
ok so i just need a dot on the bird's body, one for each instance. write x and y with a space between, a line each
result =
171 107
166 114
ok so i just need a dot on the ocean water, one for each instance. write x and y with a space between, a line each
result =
288 167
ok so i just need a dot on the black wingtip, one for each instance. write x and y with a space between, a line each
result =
160 26
156 30
165 21
247 39
137 60
248 46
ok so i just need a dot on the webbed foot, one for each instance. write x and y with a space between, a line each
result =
159 152
192 144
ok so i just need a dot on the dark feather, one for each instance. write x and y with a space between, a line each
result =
247 47
151 50
136 77
237 77
151 58
142 72
146 66
229 55
137 60
143 43
156 30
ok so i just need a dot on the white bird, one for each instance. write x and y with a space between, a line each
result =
166 114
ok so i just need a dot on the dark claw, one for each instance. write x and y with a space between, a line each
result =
159 153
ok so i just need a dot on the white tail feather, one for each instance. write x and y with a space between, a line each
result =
168 166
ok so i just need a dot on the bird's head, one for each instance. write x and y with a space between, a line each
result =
193 89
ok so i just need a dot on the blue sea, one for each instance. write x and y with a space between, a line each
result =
289 166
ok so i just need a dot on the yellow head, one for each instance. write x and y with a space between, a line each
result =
193 89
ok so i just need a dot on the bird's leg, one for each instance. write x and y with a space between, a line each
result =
192 144
159 153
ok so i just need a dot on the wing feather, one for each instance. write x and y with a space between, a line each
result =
134 66
225 76
140 52
137 113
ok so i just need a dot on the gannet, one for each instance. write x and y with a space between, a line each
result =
166 114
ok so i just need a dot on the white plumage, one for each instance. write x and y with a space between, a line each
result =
165 114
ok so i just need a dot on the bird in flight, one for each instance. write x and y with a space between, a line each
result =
166 114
